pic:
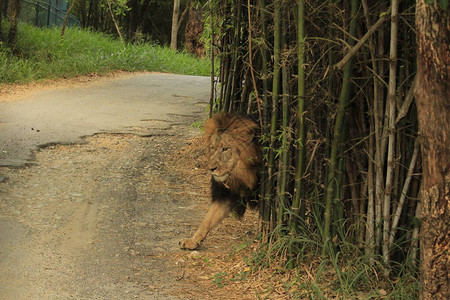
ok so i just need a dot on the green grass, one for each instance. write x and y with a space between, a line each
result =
40 54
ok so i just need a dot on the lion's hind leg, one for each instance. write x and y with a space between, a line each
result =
218 211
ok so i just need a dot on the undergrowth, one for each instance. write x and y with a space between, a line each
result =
40 54
343 272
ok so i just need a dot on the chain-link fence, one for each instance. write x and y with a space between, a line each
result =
46 13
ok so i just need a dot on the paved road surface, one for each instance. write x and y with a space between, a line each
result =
127 105
98 219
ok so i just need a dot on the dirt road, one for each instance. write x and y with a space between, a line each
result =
62 113
100 218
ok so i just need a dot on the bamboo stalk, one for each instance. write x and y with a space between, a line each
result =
285 130
391 130
407 103
265 207
361 232
264 72
415 235
380 147
229 75
354 194
370 215
211 94
362 41
225 74
377 67
250 59
404 193
300 107
276 58
237 26
337 132
275 94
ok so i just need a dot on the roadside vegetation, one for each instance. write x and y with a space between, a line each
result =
352 196
40 54
342 175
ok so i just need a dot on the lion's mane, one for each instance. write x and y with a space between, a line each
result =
240 133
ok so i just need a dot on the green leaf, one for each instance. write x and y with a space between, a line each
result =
442 3
240 247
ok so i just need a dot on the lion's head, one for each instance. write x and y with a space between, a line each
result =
233 153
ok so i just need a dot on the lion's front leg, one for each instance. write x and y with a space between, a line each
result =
216 213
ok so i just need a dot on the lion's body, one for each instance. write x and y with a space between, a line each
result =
234 157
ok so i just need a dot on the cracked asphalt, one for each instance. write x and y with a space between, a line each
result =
90 206
138 104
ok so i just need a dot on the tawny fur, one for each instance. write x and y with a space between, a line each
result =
234 157
240 133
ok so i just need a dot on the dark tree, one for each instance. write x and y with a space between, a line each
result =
13 12
2 7
193 31
433 108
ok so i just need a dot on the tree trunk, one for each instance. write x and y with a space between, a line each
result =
433 107
2 5
66 18
116 25
175 13
193 32
14 12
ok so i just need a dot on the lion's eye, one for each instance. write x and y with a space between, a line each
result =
224 149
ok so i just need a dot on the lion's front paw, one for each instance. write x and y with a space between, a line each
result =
188 244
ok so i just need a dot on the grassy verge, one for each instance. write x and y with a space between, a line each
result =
41 54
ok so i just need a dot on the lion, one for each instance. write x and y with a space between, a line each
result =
233 157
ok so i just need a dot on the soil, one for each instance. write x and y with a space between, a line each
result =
102 220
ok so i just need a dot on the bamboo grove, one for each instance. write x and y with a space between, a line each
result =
331 85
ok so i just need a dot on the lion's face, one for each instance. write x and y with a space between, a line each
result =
233 155
223 157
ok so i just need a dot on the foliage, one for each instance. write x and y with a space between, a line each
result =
119 7
147 20
41 54
220 279
341 175
442 3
